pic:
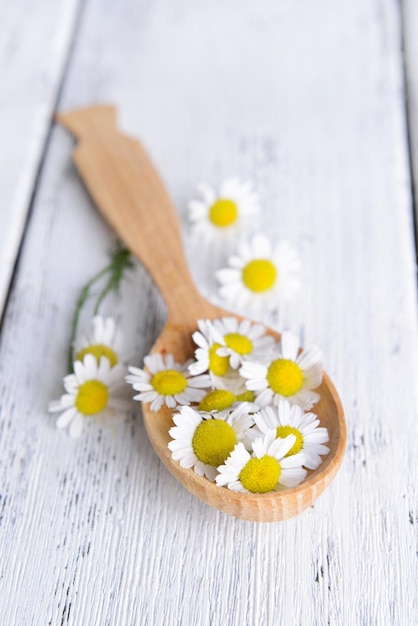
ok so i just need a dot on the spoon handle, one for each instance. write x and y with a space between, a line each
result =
128 191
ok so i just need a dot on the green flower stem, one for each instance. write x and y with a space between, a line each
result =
120 260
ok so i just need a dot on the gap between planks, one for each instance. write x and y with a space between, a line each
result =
20 217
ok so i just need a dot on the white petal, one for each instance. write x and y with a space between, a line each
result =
264 397
79 372
70 383
310 357
280 447
157 403
76 426
266 419
90 366
292 477
66 417
293 461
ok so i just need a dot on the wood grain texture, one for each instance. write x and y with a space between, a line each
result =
410 25
306 99
34 41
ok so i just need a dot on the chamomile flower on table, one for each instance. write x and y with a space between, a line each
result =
260 276
203 441
267 469
288 376
104 339
166 382
222 214
93 391
241 340
289 419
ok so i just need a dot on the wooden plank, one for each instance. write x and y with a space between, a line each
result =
34 43
410 25
306 100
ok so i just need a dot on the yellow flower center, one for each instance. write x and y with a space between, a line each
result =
169 382
259 275
239 343
260 475
213 441
284 431
217 400
223 213
92 397
218 365
247 396
98 350
285 377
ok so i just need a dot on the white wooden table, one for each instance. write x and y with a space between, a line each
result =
317 104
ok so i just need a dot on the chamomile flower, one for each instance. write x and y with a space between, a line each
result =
260 276
240 340
204 441
166 382
208 360
291 420
266 469
104 339
92 391
223 399
224 213
289 376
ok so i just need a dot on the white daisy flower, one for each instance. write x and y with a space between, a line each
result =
204 441
166 382
290 376
291 420
260 276
104 339
225 213
208 360
91 392
241 340
266 469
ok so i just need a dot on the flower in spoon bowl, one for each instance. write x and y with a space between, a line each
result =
166 382
240 340
208 360
288 376
267 469
290 419
203 441
223 399
225 343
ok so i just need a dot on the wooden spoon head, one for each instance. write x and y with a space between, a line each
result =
270 507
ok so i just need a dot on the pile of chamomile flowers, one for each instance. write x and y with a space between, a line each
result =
242 408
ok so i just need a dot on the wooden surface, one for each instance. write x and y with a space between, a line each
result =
34 41
308 101
410 45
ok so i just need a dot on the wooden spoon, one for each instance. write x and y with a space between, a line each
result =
129 193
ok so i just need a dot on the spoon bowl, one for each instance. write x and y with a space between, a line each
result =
129 193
